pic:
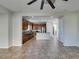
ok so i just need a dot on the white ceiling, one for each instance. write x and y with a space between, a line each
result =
21 6
41 19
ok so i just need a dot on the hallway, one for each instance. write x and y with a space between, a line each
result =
41 49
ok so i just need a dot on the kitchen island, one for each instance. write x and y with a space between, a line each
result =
42 36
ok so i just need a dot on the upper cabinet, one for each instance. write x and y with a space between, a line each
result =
39 27
24 24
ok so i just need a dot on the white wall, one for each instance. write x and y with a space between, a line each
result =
69 30
78 28
10 29
3 30
61 29
17 30
5 27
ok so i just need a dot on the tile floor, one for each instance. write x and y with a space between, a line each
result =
40 49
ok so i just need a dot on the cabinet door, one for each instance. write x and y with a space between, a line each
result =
25 25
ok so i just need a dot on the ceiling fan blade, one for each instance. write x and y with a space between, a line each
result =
65 0
51 4
42 4
31 2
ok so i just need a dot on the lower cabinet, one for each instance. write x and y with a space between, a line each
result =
27 37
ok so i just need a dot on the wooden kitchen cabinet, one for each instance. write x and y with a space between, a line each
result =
27 36
24 24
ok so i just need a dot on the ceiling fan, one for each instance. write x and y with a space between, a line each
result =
50 2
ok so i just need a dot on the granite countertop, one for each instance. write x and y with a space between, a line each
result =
27 32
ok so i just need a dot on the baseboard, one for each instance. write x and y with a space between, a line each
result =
4 47
71 45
